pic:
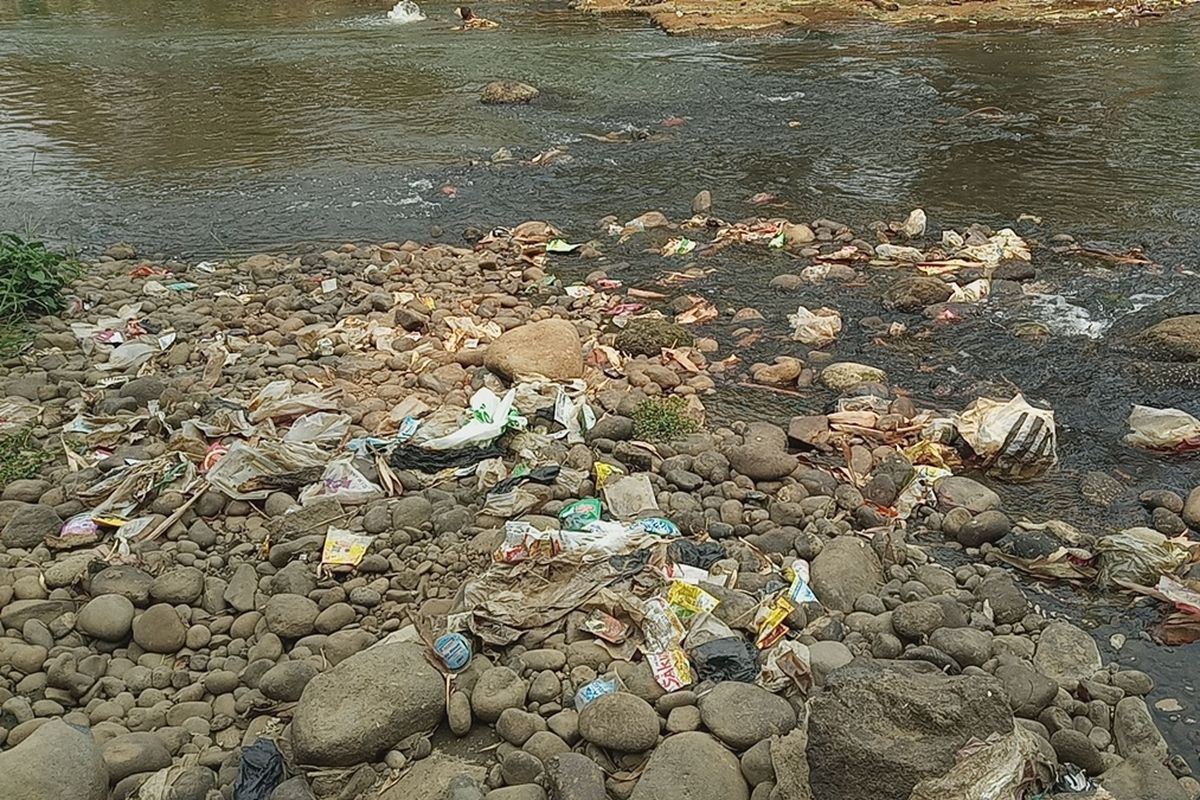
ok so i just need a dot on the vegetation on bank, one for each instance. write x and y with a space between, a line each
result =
32 278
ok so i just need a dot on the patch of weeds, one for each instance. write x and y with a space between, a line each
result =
663 419
20 456
32 277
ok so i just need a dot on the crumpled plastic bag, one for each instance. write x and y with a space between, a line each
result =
244 462
1163 429
17 412
1003 245
130 355
259 772
490 415
320 427
1137 555
815 328
972 292
729 659
1002 768
1015 439
277 401
344 483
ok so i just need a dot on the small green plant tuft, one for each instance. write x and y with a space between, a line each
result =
663 419
20 456
32 278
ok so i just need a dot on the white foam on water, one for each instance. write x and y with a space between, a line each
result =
404 12
790 97
1064 317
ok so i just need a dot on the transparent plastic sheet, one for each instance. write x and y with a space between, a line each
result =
320 427
1163 429
1007 767
278 400
245 463
1137 555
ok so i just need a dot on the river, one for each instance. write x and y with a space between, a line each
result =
216 128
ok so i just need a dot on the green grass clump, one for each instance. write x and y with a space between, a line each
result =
20 456
663 419
32 278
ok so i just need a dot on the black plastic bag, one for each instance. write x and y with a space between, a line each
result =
729 659
436 460
259 772
702 555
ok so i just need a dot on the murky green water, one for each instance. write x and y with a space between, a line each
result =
209 128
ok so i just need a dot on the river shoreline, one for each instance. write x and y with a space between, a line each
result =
213 426
679 17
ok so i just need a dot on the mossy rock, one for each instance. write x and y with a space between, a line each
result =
648 337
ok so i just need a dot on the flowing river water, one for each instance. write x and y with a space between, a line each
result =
212 128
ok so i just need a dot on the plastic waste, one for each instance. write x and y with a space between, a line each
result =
687 600
605 684
628 496
657 526
523 541
578 515
260 771
343 482
277 400
1001 768
130 356
344 549
321 427
422 460
454 650
695 554
1137 555
972 292
244 463
17 412
815 328
787 663
545 475
489 416
605 626
671 669
1015 439
680 246
1163 429
729 659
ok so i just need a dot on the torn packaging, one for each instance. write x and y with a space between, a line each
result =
508 600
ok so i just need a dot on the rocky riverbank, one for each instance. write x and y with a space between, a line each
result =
696 16
272 483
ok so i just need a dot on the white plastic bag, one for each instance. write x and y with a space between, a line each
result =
815 328
489 417
343 483
1163 429
321 427
244 461
130 356
1016 439
277 400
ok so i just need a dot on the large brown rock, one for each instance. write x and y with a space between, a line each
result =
875 731
366 704
1175 338
550 347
